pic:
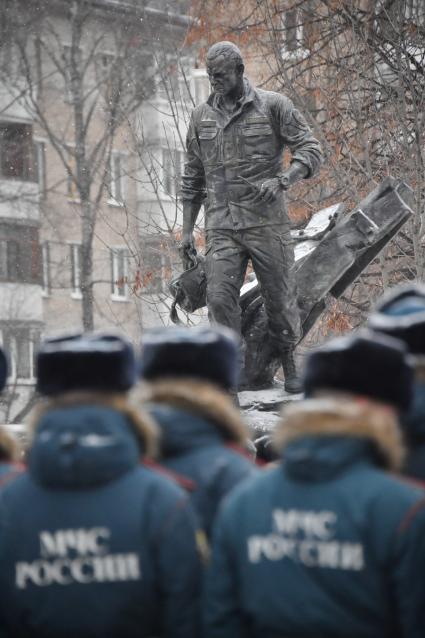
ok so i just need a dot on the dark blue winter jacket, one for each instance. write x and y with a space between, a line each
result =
93 543
9 471
202 444
414 430
326 545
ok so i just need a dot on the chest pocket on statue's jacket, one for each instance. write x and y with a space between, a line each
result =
258 139
208 139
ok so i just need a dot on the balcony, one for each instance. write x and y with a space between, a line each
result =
19 200
19 190
15 101
20 302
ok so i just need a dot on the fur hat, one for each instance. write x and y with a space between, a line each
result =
208 353
401 314
89 362
366 364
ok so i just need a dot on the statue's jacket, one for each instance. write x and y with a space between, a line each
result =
224 150
328 543
92 541
202 439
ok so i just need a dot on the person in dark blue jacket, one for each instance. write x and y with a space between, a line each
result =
329 544
188 373
401 313
92 542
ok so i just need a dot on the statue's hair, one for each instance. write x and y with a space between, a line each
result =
227 49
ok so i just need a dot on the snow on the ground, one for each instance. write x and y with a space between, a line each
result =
261 408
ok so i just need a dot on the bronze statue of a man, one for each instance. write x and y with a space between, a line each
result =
235 145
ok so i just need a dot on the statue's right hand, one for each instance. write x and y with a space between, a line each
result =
188 251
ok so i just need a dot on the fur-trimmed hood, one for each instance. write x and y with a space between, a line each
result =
201 400
339 418
142 425
9 447
82 439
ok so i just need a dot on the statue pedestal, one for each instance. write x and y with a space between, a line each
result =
261 408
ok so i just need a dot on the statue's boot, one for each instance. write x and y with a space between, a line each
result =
293 383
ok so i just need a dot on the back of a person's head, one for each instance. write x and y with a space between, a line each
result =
87 362
202 353
356 386
401 314
84 380
366 365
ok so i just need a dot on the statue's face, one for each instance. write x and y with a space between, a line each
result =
224 75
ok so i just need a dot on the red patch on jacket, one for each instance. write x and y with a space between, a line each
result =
184 482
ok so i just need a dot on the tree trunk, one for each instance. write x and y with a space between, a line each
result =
87 223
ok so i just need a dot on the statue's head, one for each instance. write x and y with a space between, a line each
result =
225 67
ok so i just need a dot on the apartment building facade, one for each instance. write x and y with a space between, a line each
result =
128 207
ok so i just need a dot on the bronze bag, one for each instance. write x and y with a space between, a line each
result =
189 289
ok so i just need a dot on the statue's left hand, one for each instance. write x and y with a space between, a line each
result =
269 190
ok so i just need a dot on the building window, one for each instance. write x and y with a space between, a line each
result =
185 88
296 25
16 157
19 254
415 11
45 263
116 177
110 76
141 85
168 79
20 344
201 85
75 261
119 273
39 167
172 168
104 63
9 260
156 264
